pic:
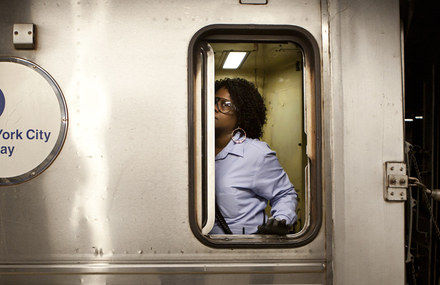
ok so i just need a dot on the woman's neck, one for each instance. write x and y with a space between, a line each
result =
221 141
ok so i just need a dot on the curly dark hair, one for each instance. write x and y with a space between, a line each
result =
250 107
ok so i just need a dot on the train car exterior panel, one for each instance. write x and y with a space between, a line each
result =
113 207
367 132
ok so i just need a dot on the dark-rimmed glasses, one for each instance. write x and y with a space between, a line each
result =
224 106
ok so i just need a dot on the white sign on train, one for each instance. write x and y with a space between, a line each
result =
30 119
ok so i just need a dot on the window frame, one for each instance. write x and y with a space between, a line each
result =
312 92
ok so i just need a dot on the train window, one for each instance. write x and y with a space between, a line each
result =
283 63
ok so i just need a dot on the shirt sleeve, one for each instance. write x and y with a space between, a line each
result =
272 183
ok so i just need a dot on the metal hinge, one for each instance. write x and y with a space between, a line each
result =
396 181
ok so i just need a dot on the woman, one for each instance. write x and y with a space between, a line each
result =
247 171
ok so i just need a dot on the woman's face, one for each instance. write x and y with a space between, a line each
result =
224 123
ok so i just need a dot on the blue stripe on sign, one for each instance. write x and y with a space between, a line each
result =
2 102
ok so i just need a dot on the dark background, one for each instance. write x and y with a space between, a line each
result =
421 25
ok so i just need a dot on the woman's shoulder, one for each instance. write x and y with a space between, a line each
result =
257 146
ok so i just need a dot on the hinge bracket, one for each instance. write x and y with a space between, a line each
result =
396 181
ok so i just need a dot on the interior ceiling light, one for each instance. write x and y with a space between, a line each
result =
235 59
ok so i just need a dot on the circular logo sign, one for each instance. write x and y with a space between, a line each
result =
33 120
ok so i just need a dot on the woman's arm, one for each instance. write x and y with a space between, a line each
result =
272 183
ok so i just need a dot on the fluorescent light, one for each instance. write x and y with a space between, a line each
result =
409 120
234 60
418 117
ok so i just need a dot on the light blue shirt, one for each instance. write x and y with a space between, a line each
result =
248 175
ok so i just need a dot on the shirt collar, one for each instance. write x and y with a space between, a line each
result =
232 148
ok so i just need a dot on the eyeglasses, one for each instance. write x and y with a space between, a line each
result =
223 105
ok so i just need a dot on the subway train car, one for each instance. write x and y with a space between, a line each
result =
107 166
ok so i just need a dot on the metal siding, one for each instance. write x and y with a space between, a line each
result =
368 131
118 192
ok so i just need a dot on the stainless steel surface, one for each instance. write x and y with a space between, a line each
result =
23 36
259 2
366 131
116 198
205 268
170 279
210 136
328 125
396 181
120 183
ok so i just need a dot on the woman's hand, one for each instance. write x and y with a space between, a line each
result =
274 226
